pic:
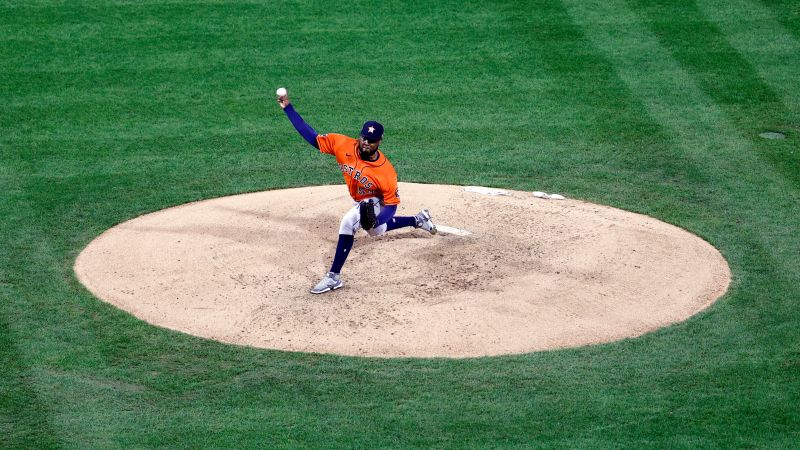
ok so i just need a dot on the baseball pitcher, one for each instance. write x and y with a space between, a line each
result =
372 182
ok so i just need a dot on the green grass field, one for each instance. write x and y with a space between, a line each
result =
112 109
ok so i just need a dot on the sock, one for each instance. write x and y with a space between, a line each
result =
343 248
400 222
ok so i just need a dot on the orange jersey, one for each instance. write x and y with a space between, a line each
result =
364 179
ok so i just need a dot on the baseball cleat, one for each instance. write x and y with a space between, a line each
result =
329 282
424 221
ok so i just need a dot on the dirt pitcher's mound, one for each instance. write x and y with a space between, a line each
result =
534 274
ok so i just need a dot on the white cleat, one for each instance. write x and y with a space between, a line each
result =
329 282
424 221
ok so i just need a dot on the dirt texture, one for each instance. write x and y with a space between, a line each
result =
534 274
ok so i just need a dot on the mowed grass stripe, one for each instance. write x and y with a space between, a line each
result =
701 132
24 418
753 234
605 124
93 366
705 134
101 71
787 12
748 104
728 79
772 51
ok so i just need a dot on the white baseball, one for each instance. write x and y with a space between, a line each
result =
280 92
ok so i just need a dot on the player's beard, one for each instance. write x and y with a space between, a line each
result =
368 154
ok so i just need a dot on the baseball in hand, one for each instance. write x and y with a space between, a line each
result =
280 92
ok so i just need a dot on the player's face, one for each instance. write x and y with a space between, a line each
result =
367 148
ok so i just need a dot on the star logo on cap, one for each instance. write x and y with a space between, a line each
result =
371 129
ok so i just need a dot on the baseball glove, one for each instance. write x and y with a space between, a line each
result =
367 213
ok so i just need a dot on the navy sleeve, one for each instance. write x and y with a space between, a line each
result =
387 212
301 126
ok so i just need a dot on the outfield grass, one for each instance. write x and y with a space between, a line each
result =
113 109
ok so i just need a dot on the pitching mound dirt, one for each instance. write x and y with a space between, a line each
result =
534 274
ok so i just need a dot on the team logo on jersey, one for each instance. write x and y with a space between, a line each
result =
357 175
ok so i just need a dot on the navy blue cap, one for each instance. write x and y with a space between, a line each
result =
372 131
